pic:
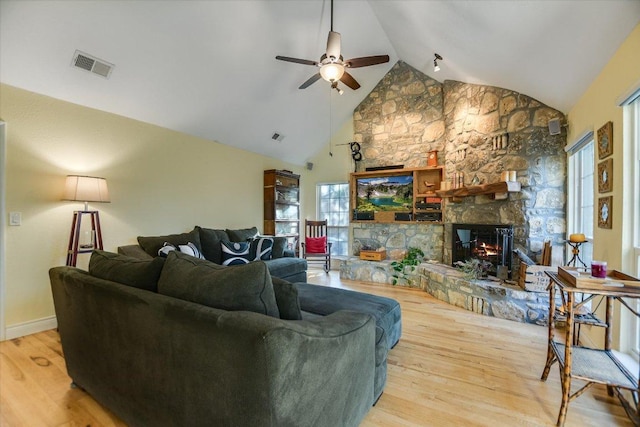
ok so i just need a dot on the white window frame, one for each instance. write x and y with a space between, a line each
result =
575 193
331 226
630 324
632 129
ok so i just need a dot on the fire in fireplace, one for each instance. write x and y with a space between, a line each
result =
492 243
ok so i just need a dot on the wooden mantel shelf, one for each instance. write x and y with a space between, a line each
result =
497 188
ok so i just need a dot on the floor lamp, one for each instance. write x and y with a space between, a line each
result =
85 189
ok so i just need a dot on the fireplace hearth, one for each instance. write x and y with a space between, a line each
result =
491 243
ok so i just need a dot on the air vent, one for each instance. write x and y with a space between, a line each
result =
277 137
92 64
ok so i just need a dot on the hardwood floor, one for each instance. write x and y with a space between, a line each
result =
451 368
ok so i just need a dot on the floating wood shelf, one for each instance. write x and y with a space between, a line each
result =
495 188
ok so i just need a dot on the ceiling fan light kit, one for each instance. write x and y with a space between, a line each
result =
332 71
333 66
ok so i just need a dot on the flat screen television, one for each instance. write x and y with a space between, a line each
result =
384 193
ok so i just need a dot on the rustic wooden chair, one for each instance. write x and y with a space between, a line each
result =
316 247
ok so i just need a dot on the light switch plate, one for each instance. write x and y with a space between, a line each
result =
15 218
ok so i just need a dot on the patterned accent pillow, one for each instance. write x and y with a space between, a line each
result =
261 248
188 249
235 253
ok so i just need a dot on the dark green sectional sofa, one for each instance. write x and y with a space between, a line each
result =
180 341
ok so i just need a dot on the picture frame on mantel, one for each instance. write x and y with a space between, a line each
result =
605 140
605 207
605 176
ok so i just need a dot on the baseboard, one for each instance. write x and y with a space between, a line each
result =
30 327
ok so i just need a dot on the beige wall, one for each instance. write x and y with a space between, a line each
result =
598 105
160 182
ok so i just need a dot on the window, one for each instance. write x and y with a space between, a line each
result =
581 196
333 204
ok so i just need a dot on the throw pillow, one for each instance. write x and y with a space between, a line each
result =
279 245
287 299
315 245
189 249
235 253
152 245
260 248
243 234
243 287
210 243
142 274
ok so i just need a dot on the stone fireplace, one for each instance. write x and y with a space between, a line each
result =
479 132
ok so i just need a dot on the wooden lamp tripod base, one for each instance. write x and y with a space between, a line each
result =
75 247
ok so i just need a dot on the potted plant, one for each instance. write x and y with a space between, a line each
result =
412 258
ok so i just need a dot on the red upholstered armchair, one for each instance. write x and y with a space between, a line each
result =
315 247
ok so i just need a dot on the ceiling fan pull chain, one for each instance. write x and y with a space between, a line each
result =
330 121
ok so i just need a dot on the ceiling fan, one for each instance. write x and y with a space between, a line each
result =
333 66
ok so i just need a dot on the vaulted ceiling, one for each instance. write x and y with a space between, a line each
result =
208 68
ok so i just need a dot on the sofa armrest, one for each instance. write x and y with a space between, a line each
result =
134 251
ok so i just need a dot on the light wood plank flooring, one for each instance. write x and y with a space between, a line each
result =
451 368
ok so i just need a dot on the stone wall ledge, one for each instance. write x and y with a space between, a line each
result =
487 297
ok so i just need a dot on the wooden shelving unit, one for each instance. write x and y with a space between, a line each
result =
426 204
499 190
282 205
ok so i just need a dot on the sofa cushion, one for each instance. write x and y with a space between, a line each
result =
243 234
152 244
287 266
261 248
279 245
235 253
236 288
287 299
143 274
210 242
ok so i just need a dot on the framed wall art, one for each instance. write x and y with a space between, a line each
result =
605 176
605 140
605 205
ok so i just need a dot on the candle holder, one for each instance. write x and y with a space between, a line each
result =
576 254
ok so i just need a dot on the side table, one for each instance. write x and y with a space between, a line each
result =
595 366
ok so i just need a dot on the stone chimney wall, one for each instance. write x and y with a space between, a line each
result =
479 131
491 130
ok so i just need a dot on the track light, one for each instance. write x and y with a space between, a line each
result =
437 58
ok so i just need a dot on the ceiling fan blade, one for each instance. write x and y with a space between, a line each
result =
333 44
310 81
296 60
348 80
365 61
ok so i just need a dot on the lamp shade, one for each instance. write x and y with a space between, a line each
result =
86 189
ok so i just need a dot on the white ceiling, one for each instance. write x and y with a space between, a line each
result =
208 68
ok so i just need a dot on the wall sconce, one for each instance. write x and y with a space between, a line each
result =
436 58
85 189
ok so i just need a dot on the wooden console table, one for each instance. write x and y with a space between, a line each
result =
595 366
